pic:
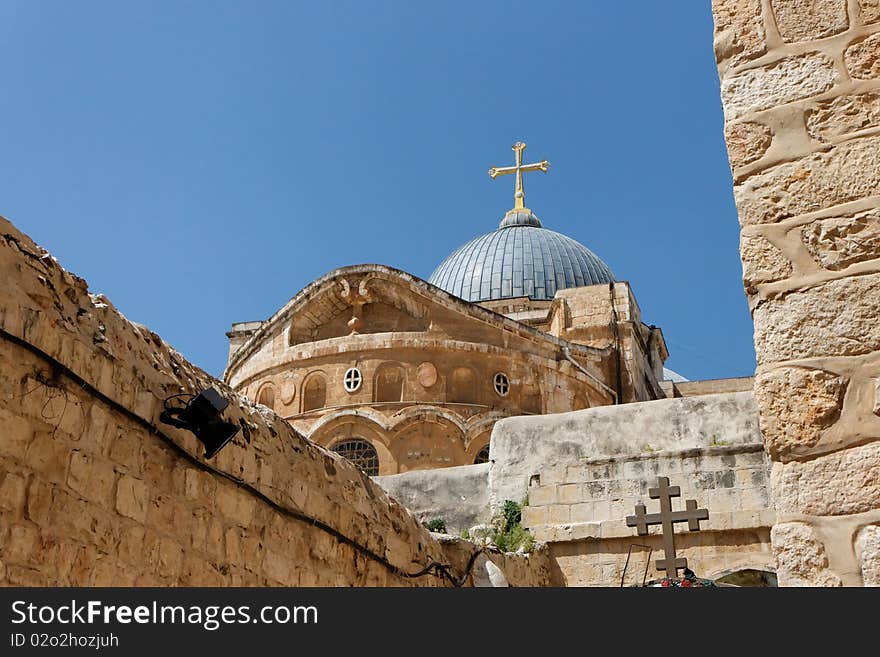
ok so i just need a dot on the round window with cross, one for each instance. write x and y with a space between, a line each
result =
352 379
501 383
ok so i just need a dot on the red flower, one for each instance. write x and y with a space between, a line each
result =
685 582
664 583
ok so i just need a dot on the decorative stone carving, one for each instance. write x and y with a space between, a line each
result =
426 375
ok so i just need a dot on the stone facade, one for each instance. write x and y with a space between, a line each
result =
428 363
580 512
583 473
96 491
800 86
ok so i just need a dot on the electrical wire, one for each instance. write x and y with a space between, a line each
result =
434 567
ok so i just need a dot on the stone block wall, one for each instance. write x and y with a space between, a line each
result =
459 495
800 87
525 447
592 497
580 510
95 491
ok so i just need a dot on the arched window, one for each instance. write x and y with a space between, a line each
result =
267 397
314 392
389 384
361 453
463 388
482 456
749 577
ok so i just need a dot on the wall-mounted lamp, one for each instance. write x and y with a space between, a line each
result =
201 415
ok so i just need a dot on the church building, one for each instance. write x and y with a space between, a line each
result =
399 374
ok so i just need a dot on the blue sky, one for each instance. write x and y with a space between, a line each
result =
201 162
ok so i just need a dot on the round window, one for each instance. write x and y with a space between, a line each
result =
352 379
501 383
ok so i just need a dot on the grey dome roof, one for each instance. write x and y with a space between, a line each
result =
519 259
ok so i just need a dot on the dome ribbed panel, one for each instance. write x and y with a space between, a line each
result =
519 261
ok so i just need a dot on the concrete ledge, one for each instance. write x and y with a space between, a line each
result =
459 495
763 518
526 446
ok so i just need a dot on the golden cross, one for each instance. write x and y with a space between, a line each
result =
519 195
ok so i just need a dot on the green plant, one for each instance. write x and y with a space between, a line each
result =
465 534
508 533
512 514
436 525
718 443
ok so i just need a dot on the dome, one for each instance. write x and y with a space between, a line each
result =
520 259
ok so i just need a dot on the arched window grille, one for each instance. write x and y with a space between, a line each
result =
361 453
482 456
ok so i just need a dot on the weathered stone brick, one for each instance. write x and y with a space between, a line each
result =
843 482
559 514
234 504
581 512
862 58
836 318
570 493
125 448
831 119
793 78
131 544
839 242
762 262
92 478
848 172
131 498
800 556
168 515
80 520
21 543
868 553
17 434
542 495
24 576
13 493
739 30
534 515
109 572
798 405
870 10
165 555
39 501
746 142
802 20
48 455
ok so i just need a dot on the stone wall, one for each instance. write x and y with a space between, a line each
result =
580 511
592 497
525 447
800 86
459 495
94 490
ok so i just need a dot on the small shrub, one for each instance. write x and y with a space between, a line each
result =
509 535
465 534
512 513
436 525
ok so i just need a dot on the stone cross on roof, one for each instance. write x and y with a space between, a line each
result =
519 196
667 519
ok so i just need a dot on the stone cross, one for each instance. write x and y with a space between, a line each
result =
667 519
519 195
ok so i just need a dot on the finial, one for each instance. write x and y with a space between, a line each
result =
519 196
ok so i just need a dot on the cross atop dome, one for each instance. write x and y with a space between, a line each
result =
520 215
